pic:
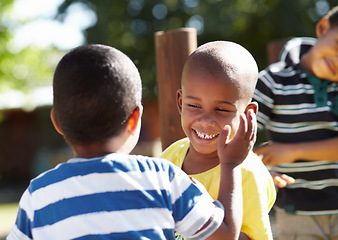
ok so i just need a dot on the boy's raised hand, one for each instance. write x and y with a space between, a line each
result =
234 151
231 154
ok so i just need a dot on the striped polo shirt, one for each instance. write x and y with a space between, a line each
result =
295 106
115 197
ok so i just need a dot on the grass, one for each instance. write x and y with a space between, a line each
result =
7 218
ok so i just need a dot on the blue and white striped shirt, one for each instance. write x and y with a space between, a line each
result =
114 197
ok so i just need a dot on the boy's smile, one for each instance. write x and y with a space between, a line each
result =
207 103
206 135
322 59
331 65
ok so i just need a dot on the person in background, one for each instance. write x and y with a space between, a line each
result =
298 106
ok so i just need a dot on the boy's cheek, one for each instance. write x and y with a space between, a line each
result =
321 69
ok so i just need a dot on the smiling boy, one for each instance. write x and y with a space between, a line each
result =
298 106
218 82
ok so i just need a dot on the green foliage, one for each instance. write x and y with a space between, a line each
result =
26 68
130 25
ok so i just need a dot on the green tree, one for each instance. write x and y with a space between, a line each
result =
130 24
26 68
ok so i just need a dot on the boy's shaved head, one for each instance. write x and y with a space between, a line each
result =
218 82
228 59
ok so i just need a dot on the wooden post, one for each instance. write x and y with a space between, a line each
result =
274 48
172 49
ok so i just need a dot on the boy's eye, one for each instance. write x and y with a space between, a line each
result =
193 106
222 110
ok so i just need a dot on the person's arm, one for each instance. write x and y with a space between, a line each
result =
242 236
231 154
22 228
277 153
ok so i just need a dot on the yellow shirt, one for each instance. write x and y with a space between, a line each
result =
258 189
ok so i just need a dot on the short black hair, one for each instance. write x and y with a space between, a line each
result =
332 15
96 88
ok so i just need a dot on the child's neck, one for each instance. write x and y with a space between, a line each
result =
90 151
195 163
113 145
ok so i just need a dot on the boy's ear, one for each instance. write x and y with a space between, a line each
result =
55 122
134 119
322 26
179 100
253 106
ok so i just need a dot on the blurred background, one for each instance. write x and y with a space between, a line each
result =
35 34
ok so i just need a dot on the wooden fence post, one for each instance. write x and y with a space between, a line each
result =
172 49
274 48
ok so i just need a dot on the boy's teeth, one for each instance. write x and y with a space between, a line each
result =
206 136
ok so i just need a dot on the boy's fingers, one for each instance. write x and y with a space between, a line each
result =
252 124
248 125
279 182
243 127
224 136
288 179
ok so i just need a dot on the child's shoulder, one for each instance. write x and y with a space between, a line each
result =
60 172
256 177
179 145
254 166
138 162
177 151
111 163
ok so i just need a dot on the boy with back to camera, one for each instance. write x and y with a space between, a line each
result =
218 82
104 193
298 106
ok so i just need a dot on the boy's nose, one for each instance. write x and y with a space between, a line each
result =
207 120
